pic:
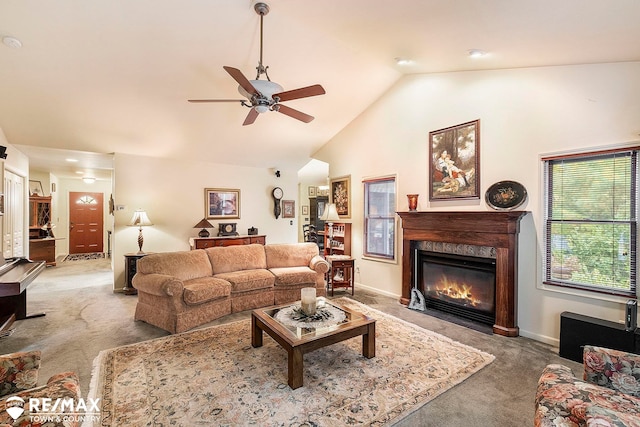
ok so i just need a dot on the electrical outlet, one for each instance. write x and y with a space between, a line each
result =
358 270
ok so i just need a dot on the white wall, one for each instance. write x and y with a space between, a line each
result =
172 193
523 113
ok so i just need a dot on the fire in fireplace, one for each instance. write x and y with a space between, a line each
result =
461 285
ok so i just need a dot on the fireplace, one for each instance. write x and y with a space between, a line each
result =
460 285
488 232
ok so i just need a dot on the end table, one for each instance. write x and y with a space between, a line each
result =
130 269
340 272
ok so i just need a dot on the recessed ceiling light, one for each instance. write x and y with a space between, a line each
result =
71 160
477 53
89 179
403 61
12 42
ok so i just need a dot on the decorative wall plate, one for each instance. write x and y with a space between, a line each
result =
505 195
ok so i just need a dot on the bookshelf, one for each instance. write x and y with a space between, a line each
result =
338 242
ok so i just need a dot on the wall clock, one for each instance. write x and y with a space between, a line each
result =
277 196
227 229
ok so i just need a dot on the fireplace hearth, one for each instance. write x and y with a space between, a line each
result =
495 233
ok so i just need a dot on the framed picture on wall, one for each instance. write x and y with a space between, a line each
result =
312 191
341 195
221 203
35 188
454 162
305 210
288 209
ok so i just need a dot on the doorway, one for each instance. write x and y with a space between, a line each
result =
86 222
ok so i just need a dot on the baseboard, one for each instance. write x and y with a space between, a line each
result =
554 342
379 291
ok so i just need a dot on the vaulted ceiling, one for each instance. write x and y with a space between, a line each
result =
106 76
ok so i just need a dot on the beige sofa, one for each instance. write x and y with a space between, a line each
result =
178 291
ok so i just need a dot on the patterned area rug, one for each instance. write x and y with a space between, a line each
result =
83 257
214 377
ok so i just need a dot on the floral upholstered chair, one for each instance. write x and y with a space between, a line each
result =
609 394
18 379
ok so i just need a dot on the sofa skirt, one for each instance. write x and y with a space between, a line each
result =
250 300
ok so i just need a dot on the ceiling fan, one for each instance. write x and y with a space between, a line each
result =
265 95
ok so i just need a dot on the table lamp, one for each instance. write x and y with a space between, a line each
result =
330 215
204 224
140 219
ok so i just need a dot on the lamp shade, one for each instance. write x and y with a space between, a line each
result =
203 224
330 213
140 219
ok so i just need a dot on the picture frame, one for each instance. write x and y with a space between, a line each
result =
35 188
313 191
221 203
340 192
305 210
454 162
288 209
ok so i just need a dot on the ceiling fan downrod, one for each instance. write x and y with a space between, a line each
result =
261 9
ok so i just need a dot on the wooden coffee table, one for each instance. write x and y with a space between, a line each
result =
298 341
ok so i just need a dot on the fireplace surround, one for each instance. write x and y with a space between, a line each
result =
498 230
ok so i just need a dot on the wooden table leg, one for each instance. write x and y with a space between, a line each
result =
369 342
256 333
295 373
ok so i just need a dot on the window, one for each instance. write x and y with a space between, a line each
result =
591 221
380 217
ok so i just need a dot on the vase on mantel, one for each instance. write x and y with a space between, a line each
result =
413 201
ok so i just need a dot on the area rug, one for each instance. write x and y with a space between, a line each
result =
83 257
213 377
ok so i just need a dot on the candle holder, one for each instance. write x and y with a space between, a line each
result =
308 301
413 201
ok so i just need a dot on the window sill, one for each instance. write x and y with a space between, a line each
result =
585 294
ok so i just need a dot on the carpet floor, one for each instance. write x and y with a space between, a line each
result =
213 376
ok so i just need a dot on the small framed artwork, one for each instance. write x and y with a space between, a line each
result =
288 209
221 203
35 188
454 161
313 191
341 195
305 210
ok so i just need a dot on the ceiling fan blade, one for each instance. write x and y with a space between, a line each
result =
217 100
299 115
241 79
251 117
303 92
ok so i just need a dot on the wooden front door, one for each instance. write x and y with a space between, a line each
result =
85 222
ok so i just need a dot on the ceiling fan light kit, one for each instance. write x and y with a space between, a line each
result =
265 95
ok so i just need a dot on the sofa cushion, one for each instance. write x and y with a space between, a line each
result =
185 265
248 280
236 258
290 254
198 291
294 276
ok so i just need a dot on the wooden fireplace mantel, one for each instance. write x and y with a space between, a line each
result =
496 229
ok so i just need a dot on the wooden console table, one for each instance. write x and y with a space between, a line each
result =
340 272
210 242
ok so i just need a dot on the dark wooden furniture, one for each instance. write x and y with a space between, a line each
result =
210 242
316 208
42 245
340 242
298 341
130 269
15 276
340 273
496 229
577 330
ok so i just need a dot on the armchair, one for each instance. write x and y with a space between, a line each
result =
607 395
19 376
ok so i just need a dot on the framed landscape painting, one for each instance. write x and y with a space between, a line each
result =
341 195
221 203
454 156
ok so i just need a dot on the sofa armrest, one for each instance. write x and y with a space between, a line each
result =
19 371
614 369
319 264
158 284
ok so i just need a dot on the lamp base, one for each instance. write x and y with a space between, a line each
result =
203 233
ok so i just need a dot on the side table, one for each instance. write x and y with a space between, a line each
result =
340 272
130 269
